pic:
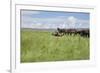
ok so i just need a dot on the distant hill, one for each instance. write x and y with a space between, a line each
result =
38 29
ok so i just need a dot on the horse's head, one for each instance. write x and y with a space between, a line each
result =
58 29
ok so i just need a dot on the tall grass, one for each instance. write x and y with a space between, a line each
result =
38 46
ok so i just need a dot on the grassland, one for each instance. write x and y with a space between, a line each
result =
41 46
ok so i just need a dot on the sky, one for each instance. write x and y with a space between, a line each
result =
53 19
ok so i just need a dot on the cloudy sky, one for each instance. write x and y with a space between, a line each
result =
51 19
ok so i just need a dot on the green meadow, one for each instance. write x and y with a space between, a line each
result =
42 46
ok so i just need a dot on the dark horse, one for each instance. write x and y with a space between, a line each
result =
82 32
66 31
56 33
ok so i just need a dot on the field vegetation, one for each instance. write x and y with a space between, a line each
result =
41 46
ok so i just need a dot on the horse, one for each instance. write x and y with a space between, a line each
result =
66 31
81 32
56 33
84 32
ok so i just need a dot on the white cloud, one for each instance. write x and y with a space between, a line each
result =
82 23
62 22
37 25
71 21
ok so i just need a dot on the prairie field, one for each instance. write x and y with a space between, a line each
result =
42 46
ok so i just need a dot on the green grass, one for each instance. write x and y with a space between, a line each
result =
41 46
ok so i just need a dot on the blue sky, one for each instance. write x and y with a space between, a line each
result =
53 19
